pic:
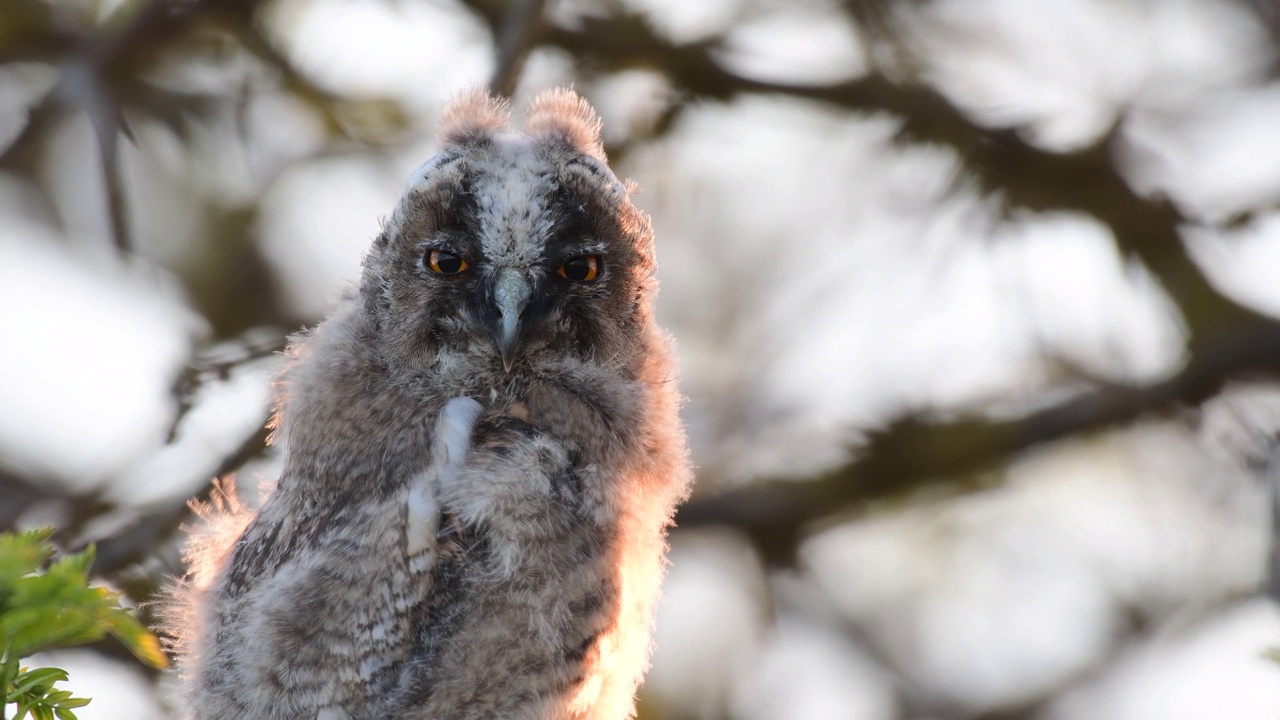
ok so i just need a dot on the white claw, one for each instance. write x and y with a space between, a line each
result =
332 713
452 440
453 429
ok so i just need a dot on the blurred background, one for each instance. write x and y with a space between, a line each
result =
977 303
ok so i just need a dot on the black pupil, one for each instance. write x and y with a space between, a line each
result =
577 269
448 263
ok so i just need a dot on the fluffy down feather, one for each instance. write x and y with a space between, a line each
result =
456 534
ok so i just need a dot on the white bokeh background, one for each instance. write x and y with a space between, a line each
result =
819 278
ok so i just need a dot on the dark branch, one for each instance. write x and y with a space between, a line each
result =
520 32
1225 339
19 494
1273 489
150 530
1000 160
113 182
912 453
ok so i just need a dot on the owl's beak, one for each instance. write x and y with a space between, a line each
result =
511 293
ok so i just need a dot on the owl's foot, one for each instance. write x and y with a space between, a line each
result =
453 430
332 713
449 449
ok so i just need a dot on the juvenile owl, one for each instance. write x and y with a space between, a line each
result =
482 457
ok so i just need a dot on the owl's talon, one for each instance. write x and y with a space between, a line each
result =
453 429
453 438
332 713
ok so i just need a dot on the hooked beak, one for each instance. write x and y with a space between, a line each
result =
511 293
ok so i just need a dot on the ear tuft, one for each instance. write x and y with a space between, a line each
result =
473 116
560 114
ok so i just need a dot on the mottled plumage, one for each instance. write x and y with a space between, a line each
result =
480 464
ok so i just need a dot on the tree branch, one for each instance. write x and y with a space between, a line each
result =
1225 339
1000 160
912 452
1273 491
149 531
520 33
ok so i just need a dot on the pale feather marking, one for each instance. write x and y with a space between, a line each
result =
452 440
424 170
453 430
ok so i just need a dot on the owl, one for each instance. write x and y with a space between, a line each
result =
482 455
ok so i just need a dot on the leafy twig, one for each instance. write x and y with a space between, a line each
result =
46 604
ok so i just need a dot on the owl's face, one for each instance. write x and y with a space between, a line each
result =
514 251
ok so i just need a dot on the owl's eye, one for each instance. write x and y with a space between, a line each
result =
580 269
445 263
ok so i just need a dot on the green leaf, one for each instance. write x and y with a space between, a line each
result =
22 554
56 696
75 566
47 603
42 677
32 629
131 633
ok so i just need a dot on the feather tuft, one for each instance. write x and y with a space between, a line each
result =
560 114
210 541
473 116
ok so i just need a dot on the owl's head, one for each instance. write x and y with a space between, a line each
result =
513 249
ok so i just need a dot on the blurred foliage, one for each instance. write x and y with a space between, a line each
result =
125 66
47 604
122 65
